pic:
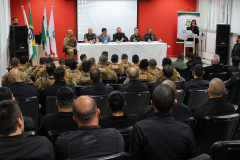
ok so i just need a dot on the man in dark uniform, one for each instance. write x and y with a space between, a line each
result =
89 141
90 36
119 36
15 21
236 48
149 35
135 36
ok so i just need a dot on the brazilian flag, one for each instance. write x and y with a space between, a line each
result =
32 34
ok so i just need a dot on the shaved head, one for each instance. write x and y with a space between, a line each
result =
84 109
133 73
170 84
15 75
90 30
216 87
70 32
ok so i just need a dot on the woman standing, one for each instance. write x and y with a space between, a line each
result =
195 30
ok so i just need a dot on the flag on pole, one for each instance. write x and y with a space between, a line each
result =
45 35
34 50
52 34
30 50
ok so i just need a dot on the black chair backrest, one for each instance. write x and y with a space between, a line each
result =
150 84
135 102
78 88
190 121
29 107
183 72
180 96
117 156
102 104
179 83
51 106
222 76
216 128
30 133
235 92
115 86
196 98
225 150
121 80
109 81
189 75
121 75
202 157
126 132
53 135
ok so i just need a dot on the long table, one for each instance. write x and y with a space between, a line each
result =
144 50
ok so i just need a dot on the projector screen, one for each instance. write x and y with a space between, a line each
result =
110 14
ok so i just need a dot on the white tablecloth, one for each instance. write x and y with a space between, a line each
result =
144 50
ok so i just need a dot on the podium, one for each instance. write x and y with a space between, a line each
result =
189 44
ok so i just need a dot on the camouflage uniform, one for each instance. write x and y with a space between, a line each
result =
24 68
126 66
84 79
73 76
175 77
108 63
143 77
67 69
153 72
43 82
79 66
25 78
107 73
69 43
116 68
64 66
39 71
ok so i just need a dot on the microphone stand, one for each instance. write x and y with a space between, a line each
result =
202 35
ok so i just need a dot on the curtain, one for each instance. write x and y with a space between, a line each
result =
235 20
203 9
4 33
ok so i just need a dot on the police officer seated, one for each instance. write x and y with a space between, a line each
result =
106 72
115 66
144 76
135 60
118 118
85 75
18 87
161 137
97 88
153 69
83 57
69 44
90 36
125 64
149 36
74 74
119 36
133 85
63 119
89 141
13 143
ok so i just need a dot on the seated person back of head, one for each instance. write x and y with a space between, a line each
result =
197 83
61 62
83 58
63 119
97 88
18 87
234 67
74 74
179 111
89 141
115 66
106 72
93 62
135 60
214 68
133 85
161 137
85 75
125 64
153 69
13 143
230 82
179 63
118 118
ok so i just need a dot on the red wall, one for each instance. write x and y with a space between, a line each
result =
160 15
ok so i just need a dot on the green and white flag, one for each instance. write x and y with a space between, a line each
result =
52 34
45 34
30 51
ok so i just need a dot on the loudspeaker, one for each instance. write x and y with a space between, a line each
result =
222 42
18 41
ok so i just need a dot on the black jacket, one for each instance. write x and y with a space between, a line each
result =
96 89
236 50
230 82
195 84
147 36
133 86
161 137
116 37
22 90
214 68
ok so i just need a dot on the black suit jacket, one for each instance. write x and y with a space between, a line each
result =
236 50
230 82
133 86
195 84
96 89
119 37
214 68
22 90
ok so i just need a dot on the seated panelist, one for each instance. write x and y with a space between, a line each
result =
90 36
104 36
120 36
70 43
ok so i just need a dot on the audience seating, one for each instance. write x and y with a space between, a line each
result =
179 83
109 81
150 84
225 150
183 72
29 107
202 157
126 132
196 98
222 76
102 104
180 96
191 122
121 75
121 80
53 135
189 75
117 156
235 92
30 133
135 102
216 128
78 88
115 86
233 73
51 106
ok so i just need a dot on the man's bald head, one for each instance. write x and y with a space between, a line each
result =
85 109
133 73
216 87
90 30
70 32
170 84
15 75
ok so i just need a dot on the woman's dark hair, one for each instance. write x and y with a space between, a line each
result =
194 21
116 101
